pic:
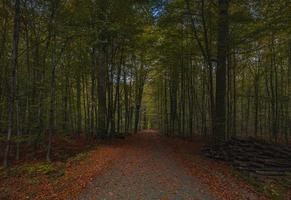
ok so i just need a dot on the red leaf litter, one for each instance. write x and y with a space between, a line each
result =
76 177
214 177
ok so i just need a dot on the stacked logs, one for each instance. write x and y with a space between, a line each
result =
253 156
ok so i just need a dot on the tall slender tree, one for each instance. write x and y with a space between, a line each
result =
13 80
102 69
222 47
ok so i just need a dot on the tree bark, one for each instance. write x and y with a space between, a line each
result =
13 78
289 88
101 72
222 46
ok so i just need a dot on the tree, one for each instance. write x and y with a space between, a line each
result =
222 47
102 68
13 81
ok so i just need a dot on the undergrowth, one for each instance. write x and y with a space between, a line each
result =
271 187
53 170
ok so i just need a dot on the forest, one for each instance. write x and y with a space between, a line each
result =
93 87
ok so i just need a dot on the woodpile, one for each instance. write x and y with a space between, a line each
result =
258 157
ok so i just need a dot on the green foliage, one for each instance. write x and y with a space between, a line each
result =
274 188
43 168
18 139
32 170
78 158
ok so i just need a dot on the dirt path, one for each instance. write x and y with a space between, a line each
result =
145 166
147 171
154 167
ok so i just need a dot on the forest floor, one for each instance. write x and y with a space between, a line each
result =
144 166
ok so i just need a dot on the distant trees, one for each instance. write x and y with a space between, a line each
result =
237 48
71 71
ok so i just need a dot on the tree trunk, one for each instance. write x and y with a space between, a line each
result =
289 88
79 113
222 44
101 72
13 78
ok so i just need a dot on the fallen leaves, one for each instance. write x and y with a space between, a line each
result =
143 161
217 177
78 173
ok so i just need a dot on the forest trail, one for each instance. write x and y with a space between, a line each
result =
149 169
146 171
